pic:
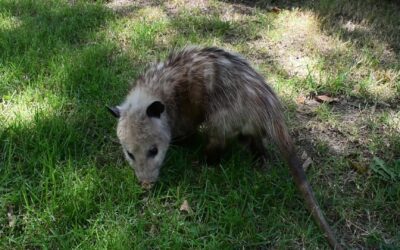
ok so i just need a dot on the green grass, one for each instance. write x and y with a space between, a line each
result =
64 182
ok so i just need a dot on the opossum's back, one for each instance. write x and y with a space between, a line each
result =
239 99
220 86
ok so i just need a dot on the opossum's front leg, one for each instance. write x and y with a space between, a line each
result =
188 140
214 149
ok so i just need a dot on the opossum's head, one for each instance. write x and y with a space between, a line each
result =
144 134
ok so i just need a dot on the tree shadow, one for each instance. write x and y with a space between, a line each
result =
43 32
213 26
53 48
334 16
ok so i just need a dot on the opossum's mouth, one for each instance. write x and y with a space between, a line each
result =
147 181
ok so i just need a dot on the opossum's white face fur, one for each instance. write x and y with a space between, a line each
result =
144 134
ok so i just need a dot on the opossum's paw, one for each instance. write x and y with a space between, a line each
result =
213 153
213 157
256 148
147 185
261 162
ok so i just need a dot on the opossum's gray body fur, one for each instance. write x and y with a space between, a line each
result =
215 89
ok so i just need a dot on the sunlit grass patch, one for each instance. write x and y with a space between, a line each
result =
23 106
382 85
291 39
393 121
300 46
8 21
142 35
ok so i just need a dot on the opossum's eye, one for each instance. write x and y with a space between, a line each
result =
152 151
131 155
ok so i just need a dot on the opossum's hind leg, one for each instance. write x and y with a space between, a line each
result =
256 145
214 150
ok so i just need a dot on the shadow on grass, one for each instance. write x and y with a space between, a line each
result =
381 19
44 32
55 48
209 27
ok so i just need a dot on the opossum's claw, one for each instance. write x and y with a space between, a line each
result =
147 185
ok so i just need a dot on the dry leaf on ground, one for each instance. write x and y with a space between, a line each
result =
308 161
11 217
185 207
301 99
276 9
153 230
325 98
359 167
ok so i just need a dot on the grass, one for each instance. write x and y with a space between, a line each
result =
64 182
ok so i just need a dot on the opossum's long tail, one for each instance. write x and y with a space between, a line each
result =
286 146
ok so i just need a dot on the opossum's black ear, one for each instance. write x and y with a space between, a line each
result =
114 111
155 109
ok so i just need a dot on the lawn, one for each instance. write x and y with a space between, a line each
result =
65 184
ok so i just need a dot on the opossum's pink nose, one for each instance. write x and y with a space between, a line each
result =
147 184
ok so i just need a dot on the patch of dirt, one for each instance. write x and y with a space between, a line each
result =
298 42
174 7
347 136
125 7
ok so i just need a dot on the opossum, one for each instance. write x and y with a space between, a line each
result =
214 89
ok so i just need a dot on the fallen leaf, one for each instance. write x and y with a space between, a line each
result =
358 167
301 99
307 163
384 104
304 155
308 107
276 9
312 103
325 98
11 217
153 230
185 207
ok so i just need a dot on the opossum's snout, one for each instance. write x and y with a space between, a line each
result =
147 177
147 160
